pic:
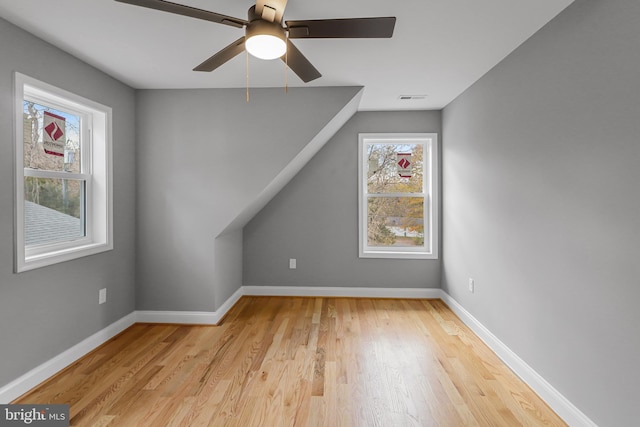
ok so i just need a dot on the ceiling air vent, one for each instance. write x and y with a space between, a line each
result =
411 97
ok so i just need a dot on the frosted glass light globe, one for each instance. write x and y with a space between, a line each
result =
266 46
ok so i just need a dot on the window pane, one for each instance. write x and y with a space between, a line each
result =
51 138
394 168
395 221
52 210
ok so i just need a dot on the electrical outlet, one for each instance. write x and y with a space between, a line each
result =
292 263
102 296
472 285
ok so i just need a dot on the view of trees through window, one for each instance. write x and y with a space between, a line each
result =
395 194
60 194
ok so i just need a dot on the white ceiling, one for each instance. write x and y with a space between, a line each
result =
439 47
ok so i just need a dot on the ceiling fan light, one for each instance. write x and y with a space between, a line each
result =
266 46
264 39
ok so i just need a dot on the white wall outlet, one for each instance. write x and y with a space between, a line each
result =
102 296
292 263
472 285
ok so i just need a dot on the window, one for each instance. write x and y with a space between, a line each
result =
63 175
398 182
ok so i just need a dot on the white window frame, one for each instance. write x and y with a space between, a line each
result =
430 193
96 172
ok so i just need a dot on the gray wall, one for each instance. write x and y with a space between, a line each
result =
204 157
45 311
228 265
542 207
315 219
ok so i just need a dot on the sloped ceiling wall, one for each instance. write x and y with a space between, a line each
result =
206 160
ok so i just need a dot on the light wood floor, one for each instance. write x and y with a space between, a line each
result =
278 361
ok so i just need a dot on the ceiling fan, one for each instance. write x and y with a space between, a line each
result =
267 38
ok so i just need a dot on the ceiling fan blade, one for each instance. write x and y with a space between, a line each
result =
192 12
229 52
342 28
299 64
274 9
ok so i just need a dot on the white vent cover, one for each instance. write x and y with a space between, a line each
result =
410 97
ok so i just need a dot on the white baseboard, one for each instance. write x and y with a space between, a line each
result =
189 317
317 291
26 382
560 404
178 317
214 317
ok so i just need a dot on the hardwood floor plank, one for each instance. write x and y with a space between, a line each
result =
208 402
278 361
103 421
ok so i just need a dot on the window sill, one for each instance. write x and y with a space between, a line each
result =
398 255
32 262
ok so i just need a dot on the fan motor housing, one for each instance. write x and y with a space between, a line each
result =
260 26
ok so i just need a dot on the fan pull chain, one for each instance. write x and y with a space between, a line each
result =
286 66
247 65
